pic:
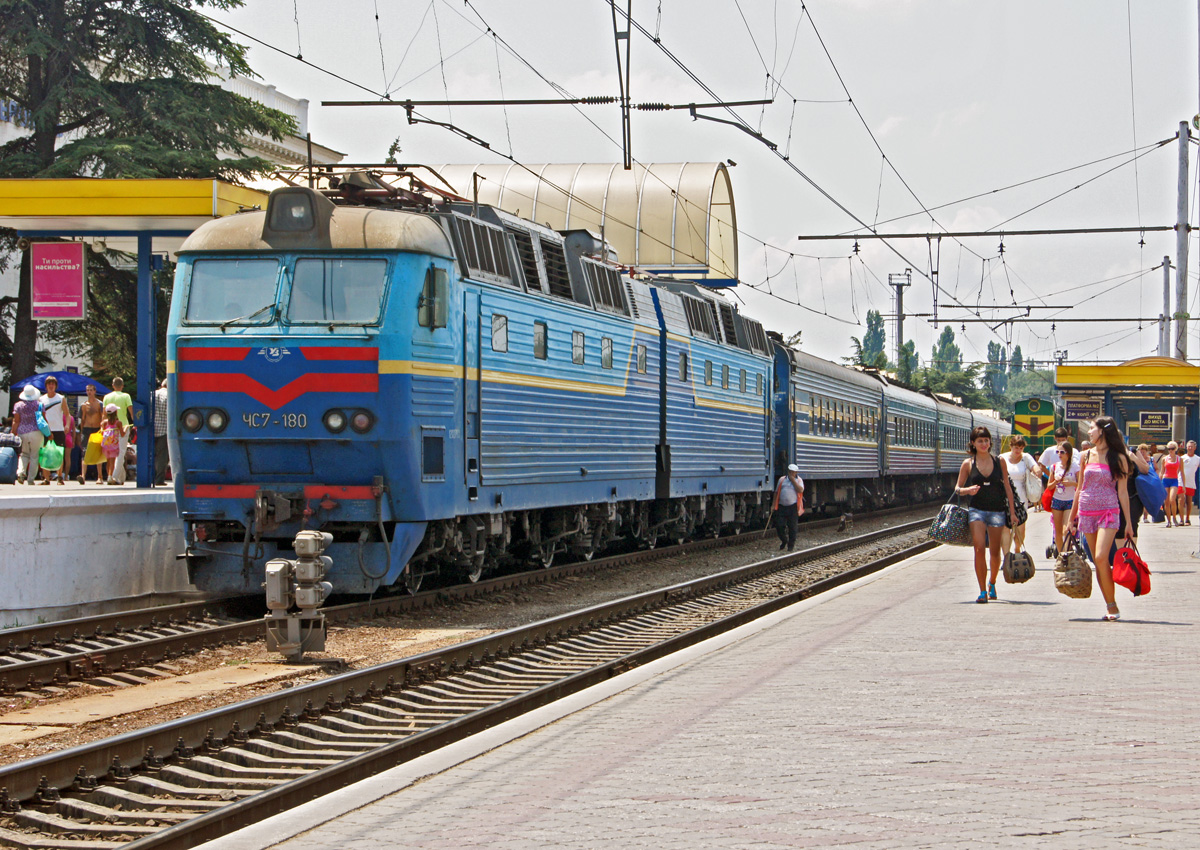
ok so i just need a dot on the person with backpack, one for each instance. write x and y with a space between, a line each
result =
25 425
984 478
1102 501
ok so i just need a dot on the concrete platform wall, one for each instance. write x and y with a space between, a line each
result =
77 553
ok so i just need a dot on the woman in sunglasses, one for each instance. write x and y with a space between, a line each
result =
1168 471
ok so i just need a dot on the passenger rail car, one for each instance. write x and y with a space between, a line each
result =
445 387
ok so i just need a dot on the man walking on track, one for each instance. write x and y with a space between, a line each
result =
788 506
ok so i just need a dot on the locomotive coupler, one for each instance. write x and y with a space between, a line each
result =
295 590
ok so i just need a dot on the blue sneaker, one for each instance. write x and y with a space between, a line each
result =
991 594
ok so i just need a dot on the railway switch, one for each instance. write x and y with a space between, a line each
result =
295 589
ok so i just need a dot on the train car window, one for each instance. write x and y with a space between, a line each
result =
433 305
337 290
230 290
725 376
499 332
605 352
641 359
577 347
742 382
539 340
708 373
758 389
683 366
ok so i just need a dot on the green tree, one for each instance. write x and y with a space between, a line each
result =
1016 361
960 383
995 374
121 88
907 367
869 351
947 357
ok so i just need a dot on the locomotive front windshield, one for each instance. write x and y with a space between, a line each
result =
337 290
227 290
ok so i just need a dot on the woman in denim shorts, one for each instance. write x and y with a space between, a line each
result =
1063 477
983 477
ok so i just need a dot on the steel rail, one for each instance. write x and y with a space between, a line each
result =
64 666
38 779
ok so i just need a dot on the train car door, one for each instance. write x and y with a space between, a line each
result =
471 392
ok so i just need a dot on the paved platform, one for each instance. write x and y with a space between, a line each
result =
78 550
895 714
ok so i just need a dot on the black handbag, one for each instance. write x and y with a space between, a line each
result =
952 525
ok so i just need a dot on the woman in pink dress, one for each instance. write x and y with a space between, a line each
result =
1101 501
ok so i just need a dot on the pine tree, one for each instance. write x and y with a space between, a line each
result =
121 88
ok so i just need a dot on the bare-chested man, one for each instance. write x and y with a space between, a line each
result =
91 412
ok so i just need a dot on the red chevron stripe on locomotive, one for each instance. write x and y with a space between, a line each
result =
311 382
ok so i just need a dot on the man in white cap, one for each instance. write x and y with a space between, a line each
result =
788 506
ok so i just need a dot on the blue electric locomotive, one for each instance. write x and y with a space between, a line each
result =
444 387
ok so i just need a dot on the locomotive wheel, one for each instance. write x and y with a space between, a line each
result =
544 555
412 581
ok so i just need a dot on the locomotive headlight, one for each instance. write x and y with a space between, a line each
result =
335 421
192 420
217 420
362 421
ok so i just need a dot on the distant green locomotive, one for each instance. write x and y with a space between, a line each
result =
1036 419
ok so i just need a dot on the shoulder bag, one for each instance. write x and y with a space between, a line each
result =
952 525
1033 487
1072 573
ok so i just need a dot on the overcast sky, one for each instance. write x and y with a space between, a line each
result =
967 99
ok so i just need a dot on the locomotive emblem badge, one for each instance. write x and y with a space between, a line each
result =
273 354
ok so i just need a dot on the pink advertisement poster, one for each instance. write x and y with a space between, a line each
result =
59 280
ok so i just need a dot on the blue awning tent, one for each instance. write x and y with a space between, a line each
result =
69 383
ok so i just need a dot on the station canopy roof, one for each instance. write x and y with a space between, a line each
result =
1146 383
669 218
120 207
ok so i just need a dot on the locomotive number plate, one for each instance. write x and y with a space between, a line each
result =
286 420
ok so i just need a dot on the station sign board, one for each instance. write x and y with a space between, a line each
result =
1152 420
58 274
1082 409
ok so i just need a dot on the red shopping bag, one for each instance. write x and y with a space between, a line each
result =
1047 498
1130 571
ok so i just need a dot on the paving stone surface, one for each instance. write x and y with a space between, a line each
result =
899 715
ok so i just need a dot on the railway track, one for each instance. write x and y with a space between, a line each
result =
137 646
191 780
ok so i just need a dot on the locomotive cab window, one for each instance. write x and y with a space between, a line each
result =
233 291
578 349
725 376
605 352
337 290
708 373
435 298
683 366
641 359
